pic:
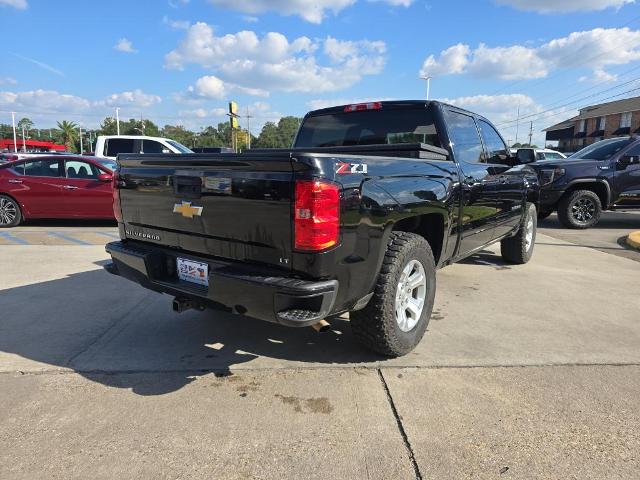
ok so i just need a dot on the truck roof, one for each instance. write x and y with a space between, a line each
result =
392 104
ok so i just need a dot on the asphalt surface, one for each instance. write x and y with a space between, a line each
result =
526 372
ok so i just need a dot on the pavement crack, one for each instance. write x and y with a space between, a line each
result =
401 429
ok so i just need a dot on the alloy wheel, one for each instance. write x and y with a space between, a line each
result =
410 295
583 210
8 211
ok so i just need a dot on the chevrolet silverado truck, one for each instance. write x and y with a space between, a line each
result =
603 176
356 217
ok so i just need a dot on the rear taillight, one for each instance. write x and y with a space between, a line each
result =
117 211
316 215
359 107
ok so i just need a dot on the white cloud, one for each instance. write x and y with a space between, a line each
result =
43 101
217 113
176 24
599 76
593 49
312 11
8 81
210 87
273 63
250 19
19 4
396 3
135 98
563 6
124 45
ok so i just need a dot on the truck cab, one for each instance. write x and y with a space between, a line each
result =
110 146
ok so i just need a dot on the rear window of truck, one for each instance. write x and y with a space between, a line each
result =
370 127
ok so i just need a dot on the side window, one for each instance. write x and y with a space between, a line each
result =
464 136
496 149
81 170
119 145
634 151
42 168
151 146
541 155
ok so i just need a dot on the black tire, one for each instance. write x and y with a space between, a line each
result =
518 249
10 213
544 214
580 209
375 326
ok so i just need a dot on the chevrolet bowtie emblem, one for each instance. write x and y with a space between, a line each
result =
187 210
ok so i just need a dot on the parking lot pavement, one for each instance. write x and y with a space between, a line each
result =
608 236
527 367
60 233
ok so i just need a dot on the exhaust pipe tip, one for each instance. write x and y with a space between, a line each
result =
322 326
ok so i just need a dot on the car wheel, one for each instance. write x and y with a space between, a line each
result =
396 317
10 214
580 209
519 248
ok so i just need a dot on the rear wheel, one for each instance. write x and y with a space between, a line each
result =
519 248
396 317
10 214
580 209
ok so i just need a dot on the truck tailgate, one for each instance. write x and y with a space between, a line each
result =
226 206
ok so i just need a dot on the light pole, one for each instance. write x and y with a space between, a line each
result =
427 78
81 145
118 119
15 138
24 141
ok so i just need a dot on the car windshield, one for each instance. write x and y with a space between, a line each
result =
181 148
602 150
110 164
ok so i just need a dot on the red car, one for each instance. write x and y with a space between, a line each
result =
60 186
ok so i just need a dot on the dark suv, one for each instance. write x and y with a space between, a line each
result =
602 176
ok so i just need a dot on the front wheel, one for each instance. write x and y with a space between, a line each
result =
396 317
10 214
580 209
519 248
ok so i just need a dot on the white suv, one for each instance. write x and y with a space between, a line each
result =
109 146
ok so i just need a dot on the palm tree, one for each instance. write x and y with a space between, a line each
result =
68 133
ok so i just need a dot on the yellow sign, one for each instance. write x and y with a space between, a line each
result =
233 108
187 210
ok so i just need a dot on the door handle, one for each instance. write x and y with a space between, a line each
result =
15 180
70 187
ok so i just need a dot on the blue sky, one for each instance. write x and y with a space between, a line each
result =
180 61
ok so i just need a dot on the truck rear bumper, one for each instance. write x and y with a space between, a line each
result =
241 289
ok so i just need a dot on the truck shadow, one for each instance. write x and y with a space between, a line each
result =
118 334
487 258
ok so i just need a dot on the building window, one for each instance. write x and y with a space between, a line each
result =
625 120
602 123
582 126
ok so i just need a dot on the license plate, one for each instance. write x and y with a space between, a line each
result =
194 272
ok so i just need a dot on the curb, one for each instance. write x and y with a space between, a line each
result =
633 240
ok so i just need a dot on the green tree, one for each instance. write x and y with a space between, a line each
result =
68 134
278 135
25 123
108 126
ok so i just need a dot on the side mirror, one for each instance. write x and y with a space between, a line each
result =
525 155
105 177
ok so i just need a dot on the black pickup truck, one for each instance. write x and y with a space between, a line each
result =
356 217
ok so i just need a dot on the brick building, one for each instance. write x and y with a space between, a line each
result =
597 122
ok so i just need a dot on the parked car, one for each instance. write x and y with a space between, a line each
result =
602 176
110 146
355 218
57 186
528 155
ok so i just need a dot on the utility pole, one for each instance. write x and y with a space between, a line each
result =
81 145
118 120
427 78
530 132
15 138
517 123
24 141
141 124
249 117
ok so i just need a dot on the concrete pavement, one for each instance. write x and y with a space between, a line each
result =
527 367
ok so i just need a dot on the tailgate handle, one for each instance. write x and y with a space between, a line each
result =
189 187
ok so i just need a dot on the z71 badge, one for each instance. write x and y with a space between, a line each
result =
343 168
